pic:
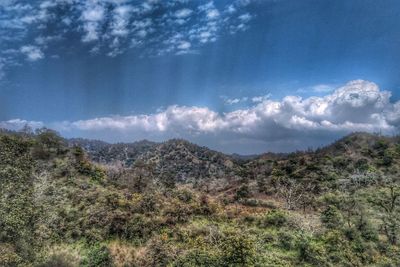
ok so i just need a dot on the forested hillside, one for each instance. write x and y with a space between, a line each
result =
88 203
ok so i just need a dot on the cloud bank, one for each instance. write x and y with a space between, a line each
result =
269 125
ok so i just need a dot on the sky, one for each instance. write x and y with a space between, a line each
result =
238 76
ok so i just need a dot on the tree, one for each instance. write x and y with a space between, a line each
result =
387 199
292 191
48 143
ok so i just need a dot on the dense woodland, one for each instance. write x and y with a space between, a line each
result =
88 203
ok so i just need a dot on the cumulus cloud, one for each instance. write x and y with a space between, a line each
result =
285 125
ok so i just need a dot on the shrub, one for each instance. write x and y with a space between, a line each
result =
98 256
59 260
139 228
275 218
286 239
367 230
198 258
8 255
361 165
148 203
184 195
158 253
331 217
312 252
237 250
242 192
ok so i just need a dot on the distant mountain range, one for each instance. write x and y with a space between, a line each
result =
355 153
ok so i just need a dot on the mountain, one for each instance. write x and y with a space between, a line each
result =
353 154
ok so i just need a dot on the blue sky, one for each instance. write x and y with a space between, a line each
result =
239 76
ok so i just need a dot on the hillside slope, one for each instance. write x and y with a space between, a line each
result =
337 206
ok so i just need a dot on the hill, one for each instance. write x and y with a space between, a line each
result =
103 152
89 203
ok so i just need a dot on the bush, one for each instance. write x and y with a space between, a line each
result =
8 255
158 253
139 228
275 218
59 260
243 192
286 239
361 165
98 256
237 250
367 230
197 258
184 195
312 252
331 217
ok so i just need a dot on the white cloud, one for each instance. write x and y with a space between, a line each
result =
120 23
184 45
233 101
245 17
183 13
32 52
322 88
111 27
258 99
92 16
93 12
212 13
288 124
231 9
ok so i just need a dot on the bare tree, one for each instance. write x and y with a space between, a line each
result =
291 191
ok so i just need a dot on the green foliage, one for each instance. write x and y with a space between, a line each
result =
311 251
198 258
47 144
159 253
17 206
98 256
277 218
387 200
332 217
9 256
237 250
